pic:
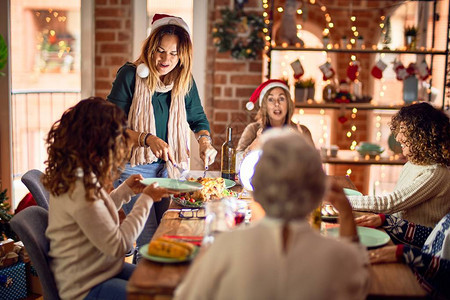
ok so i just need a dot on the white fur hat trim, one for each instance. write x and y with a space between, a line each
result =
142 70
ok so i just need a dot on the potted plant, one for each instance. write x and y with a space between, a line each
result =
304 89
410 37
3 54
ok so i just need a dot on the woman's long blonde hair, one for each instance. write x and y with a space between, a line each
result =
180 76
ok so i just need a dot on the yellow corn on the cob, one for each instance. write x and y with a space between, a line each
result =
164 247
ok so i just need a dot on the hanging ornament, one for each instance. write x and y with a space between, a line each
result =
353 70
327 71
377 70
298 69
423 70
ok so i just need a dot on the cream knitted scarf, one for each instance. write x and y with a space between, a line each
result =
141 119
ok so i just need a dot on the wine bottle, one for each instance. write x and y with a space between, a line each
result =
228 165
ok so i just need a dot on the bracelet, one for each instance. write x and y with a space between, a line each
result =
145 139
206 136
140 139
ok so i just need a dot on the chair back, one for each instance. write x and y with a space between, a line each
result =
32 180
30 225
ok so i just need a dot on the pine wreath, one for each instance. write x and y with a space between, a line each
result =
240 33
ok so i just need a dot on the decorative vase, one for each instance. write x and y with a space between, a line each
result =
410 89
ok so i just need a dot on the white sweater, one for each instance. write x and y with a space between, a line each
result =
87 243
421 195
250 263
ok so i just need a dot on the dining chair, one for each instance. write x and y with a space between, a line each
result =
32 180
30 225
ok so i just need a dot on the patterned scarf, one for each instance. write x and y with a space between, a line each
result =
141 119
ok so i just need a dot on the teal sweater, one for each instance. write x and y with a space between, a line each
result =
122 95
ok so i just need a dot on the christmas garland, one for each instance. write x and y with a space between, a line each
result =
239 33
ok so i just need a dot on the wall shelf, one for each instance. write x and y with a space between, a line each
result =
290 48
362 161
359 106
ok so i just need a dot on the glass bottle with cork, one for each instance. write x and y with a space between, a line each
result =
228 165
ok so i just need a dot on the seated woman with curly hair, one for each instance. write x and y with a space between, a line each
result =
422 192
87 148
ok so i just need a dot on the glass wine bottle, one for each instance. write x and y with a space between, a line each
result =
228 165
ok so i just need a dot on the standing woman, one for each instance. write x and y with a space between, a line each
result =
275 110
160 98
86 149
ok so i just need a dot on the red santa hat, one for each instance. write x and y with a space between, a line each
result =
163 19
160 20
259 93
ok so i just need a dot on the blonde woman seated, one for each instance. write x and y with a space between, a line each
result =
281 256
275 110
422 192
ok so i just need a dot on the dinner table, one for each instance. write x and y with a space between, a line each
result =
158 281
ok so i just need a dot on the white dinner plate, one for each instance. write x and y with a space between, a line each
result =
369 237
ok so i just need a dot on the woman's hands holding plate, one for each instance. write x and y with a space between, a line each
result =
134 183
156 192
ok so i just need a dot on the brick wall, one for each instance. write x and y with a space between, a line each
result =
230 81
113 41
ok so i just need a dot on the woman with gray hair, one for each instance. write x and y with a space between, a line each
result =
281 256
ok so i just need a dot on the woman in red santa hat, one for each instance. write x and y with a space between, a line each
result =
160 98
275 110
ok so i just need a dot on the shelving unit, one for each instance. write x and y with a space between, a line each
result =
366 106
431 52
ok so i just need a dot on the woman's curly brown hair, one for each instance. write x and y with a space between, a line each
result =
427 133
90 136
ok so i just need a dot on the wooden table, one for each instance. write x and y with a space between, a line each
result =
153 280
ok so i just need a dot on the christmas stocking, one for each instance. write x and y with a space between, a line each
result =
353 70
327 71
423 70
298 69
400 71
377 70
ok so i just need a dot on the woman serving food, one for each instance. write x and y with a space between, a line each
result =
160 98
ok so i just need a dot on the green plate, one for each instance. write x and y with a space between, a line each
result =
369 237
229 183
167 260
174 184
351 192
